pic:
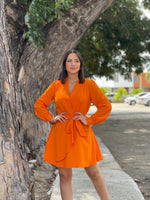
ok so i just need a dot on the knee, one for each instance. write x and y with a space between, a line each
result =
94 174
65 175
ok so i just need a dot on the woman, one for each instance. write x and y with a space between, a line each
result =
71 142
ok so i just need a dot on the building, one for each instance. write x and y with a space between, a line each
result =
118 82
137 81
141 82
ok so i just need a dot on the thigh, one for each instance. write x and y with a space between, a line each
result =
67 172
92 170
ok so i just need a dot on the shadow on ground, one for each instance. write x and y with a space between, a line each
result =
127 134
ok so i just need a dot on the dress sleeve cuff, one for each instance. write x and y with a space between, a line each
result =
49 117
89 120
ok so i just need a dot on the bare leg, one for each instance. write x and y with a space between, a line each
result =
65 175
98 181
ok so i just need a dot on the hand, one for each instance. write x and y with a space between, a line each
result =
81 118
61 118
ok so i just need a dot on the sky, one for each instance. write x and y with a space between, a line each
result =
145 11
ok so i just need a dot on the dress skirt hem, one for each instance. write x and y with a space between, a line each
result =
77 157
72 166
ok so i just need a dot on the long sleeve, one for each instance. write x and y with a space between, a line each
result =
101 102
40 106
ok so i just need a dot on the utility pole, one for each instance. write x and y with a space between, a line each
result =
140 81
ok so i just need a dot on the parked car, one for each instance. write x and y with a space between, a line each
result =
133 100
110 97
145 100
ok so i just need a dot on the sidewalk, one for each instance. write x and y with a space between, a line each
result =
120 185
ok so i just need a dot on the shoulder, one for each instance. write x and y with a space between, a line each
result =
55 83
90 82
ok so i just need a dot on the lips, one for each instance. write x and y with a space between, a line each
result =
72 68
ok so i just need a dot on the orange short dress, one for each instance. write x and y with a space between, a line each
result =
72 144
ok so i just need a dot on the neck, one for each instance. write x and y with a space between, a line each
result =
72 77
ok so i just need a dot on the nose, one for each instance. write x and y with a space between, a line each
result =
73 63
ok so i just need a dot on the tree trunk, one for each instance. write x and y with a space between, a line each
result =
25 72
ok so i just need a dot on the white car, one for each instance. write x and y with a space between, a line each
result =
145 99
133 100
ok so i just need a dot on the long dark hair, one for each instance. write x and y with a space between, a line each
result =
64 73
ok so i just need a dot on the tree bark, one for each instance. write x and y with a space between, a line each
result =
25 72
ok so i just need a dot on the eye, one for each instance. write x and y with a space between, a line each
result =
69 60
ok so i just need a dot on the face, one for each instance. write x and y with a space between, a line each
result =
72 64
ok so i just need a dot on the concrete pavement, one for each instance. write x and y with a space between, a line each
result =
120 185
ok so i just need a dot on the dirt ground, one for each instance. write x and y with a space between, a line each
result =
126 133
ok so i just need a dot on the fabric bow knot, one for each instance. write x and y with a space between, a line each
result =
74 125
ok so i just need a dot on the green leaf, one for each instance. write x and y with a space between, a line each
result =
41 12
116 41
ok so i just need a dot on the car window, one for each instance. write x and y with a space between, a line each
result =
142 94
139 95
145 95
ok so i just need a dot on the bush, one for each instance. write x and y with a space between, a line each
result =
105 91
136 91
121 93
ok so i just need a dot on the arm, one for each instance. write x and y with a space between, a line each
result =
40 106
101 102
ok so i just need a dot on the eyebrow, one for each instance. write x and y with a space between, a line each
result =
72 59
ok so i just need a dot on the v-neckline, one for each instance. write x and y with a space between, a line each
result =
67 86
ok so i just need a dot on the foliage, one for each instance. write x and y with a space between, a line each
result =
25 3
148 75
146 3
105 91
121 93
116 41
136 91
39 14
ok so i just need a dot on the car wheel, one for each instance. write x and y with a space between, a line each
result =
132 103
148 103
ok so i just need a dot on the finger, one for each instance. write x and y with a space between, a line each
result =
58 117
62 121
77 117
61 118
62 113
81 116
64 117
79 113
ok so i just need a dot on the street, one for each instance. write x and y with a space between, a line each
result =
126 133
